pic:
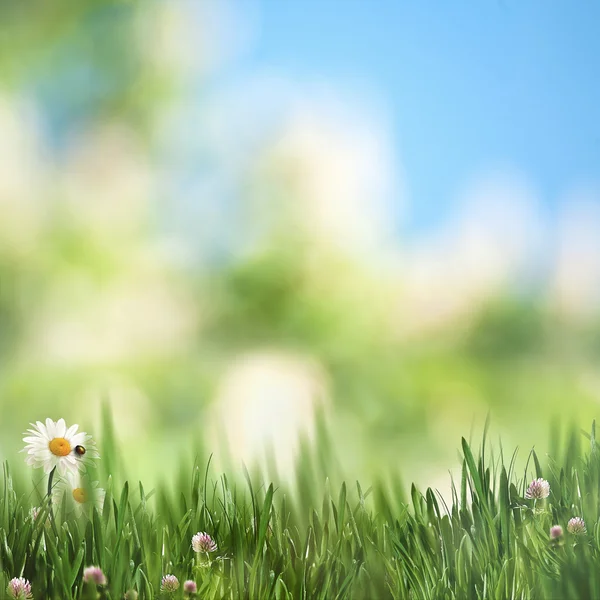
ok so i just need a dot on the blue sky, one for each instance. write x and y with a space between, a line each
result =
472 86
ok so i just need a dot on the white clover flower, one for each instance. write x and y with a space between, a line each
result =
169 584
189 588
556 532
54 446
94 575
538 489
79 495
576 526
202 542
19 589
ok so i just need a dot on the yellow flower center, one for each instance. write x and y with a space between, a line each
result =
59 447
80 495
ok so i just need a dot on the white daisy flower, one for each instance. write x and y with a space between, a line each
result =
53 445
79 495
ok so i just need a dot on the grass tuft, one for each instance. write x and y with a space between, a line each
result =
486 541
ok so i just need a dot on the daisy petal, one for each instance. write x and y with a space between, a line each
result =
61 428
50 428
71 431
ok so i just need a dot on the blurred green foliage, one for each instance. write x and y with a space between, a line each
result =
397 401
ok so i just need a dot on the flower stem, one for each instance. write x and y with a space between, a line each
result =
51 513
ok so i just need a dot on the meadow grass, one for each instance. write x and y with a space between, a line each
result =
486 541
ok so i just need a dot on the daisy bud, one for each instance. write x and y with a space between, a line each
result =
19 589
556 531
94 575
576 526
538 489
189 588
169 583
202 542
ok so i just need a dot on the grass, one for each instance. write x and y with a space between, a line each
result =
488 541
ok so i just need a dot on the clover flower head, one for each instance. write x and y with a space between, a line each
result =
556 531
169 583
538 489
131 595
202 542
189 587
94 575
576 526
19 589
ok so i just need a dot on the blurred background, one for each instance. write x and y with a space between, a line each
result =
226 218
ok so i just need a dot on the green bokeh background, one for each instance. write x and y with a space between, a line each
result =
95 306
